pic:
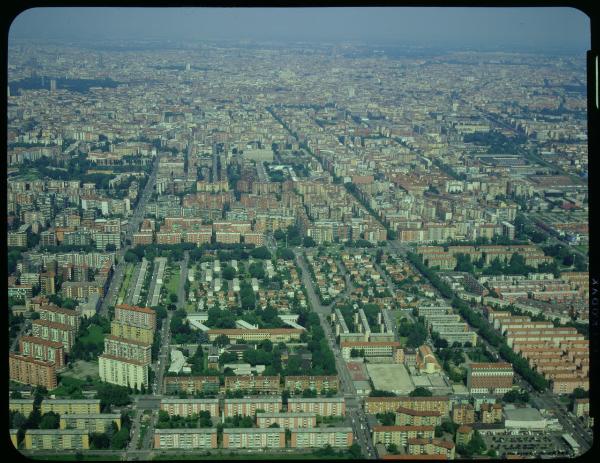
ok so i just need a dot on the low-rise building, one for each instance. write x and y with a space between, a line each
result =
374 405
188 407
92 422
399 435
323 406
463 414
253 438
410 417
23 406
418 446
258 384
490 378
336 437
317 383
68 406
56 439
286 420
190 384
180 438
248 406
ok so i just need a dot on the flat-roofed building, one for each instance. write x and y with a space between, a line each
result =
463 414
92 422
286 420
23 406
188 407
256 384
490 413
336 437
399 435
52 331
317 383
275 335
143 317
253 438
180 438
124 372
190 384
375 405
71 406
430 446
27 370
490 378
410 417
56 439
322 406
136 333
56 314
128 348
249 405
371 349
41 349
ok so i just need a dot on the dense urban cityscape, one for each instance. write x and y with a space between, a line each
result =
251 250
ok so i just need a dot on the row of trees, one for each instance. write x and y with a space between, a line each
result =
196 420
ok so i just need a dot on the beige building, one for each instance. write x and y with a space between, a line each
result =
341 437
23 406
117 370
185 438
75 406
399 435
188 407
286 420
56 439
253 438
92 422
323 406
249 405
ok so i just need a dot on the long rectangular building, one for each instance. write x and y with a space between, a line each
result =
23 406
258 384
275 335
286 420
374 405
56 314
317 383
27 370
135 333
336 437
91 422
190 384
249 405
68 406
188 407
490 378
56 439
253 438
183 438
323 406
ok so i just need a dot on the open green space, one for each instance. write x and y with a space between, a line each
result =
172 283
584 248
82 369
126 281
94 335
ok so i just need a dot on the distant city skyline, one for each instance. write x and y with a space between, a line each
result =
535 29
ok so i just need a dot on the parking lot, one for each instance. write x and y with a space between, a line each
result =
529 445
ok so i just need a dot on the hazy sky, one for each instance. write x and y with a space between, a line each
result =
542 28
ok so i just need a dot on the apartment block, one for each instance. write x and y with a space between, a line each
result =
188 407
128 348
40 349
418 446
490 378
142 317
180 438
23 406
249 405
322 406
135 333
253 438
27 370
275 335
92 422
409 417
56 439
399 435
56 314
374 405
336 437
190 384
286 420
490 413
371 349
581 407
117 370
258 384
317 383
463 414
52 331
71 406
